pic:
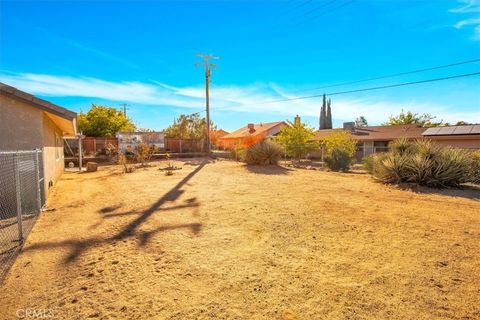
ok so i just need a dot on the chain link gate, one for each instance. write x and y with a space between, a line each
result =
21 199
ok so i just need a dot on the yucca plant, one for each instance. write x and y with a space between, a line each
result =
265 152
401 146
475 167
425 163
390 167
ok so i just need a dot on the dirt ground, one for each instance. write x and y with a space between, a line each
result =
220 240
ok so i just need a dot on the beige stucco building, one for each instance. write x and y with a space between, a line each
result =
28 123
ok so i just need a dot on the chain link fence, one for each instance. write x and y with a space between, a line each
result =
21 199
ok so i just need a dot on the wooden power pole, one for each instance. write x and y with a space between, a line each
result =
208 65
124 105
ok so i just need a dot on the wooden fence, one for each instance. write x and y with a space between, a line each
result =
90 145
97 145
174 145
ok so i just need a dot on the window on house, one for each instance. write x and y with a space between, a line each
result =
380 146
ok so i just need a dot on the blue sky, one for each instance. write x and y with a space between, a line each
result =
143 53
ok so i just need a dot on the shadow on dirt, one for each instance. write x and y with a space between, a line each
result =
77 247
468 191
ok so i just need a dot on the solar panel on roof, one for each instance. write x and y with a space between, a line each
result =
431 131
445 130
462 129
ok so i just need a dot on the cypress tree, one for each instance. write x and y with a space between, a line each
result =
323 114
329 115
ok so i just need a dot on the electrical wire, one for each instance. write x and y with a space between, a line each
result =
391 75
375 88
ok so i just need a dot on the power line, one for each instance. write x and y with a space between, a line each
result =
391 75
358 90
375 88
326 12
379 87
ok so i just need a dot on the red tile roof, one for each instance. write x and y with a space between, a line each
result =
259 129
380 133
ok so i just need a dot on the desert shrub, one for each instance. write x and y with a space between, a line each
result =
338 160
127 166
144 153
424 163
111 152
339 147
368 163
238 153
401 146
264 153
390 167
475 167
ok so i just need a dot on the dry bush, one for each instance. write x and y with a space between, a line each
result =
338 160
112 152
144 153
127 166
264 153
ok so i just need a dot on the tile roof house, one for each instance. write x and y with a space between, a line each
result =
250 134
28 123
373 139
217 134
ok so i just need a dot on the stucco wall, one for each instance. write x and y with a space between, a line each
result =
53 161
459 143
24 127
20 125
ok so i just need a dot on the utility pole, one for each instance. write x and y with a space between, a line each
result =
206 58
124 105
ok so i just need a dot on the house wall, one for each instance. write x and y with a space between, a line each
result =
245 142
20 125
464 143
23 127
53 159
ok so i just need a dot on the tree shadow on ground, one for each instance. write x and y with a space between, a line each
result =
77 247
468 191
267 170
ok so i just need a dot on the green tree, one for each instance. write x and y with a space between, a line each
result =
425 119
297 139
340 139
103 121
188 127
361 122
339 147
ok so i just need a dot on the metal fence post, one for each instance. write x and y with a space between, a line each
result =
37 172
18 197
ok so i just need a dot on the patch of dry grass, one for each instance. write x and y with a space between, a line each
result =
219 240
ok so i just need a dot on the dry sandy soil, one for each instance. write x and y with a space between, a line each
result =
224 241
